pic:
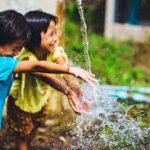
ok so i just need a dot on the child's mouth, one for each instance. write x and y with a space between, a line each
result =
53 44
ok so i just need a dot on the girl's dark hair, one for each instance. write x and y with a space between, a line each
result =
13 26
38 22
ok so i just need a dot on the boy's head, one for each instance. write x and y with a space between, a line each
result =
43 30
14 32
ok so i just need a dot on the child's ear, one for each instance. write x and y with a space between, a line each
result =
42 34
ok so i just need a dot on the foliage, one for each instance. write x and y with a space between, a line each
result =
112 61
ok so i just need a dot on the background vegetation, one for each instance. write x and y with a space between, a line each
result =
117 63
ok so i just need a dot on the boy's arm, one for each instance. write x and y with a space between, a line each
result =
42 66
48 67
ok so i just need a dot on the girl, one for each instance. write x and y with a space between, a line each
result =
29 95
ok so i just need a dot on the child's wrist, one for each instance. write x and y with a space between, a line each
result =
68 69
73 71
67 91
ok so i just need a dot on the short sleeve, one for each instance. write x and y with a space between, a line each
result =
59 52
7 66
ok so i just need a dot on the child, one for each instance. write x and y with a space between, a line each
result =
60 112
14 33
28 100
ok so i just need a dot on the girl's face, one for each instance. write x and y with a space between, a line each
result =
49 38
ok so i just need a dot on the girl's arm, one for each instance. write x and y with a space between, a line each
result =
60 86
53 81
83 106
74 84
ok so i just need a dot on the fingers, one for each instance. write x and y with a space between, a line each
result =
92 75
74 105
83 74
76 110
83 108
91 81
88 77
87 106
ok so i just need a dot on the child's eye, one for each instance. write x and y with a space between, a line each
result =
17 48
52 34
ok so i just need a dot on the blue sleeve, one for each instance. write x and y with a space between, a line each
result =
7 66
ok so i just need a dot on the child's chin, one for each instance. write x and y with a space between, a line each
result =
52 49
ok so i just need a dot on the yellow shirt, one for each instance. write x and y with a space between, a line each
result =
30 92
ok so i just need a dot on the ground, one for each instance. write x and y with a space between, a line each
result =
42 140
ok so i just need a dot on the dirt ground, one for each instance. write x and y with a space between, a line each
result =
43 140
40 142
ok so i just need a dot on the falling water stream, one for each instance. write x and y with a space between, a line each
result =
106 125
84 33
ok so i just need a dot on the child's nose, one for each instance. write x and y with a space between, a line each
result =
55 38
16 52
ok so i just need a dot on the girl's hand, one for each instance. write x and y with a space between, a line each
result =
85 106
77 91
79 107
73 101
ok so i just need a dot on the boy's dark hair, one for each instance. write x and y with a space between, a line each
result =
13 26
39 22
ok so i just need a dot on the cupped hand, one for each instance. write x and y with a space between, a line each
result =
73 101
78 106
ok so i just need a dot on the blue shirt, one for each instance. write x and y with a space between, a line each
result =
7 65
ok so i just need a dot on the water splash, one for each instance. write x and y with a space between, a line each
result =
79 2
84 34
106 124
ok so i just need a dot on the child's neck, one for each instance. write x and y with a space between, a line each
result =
40 54
2 52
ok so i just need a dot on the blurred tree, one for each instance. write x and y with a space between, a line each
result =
60 14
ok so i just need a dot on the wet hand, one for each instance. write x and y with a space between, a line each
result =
85 105
77 91
79 107
84 75
73 101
